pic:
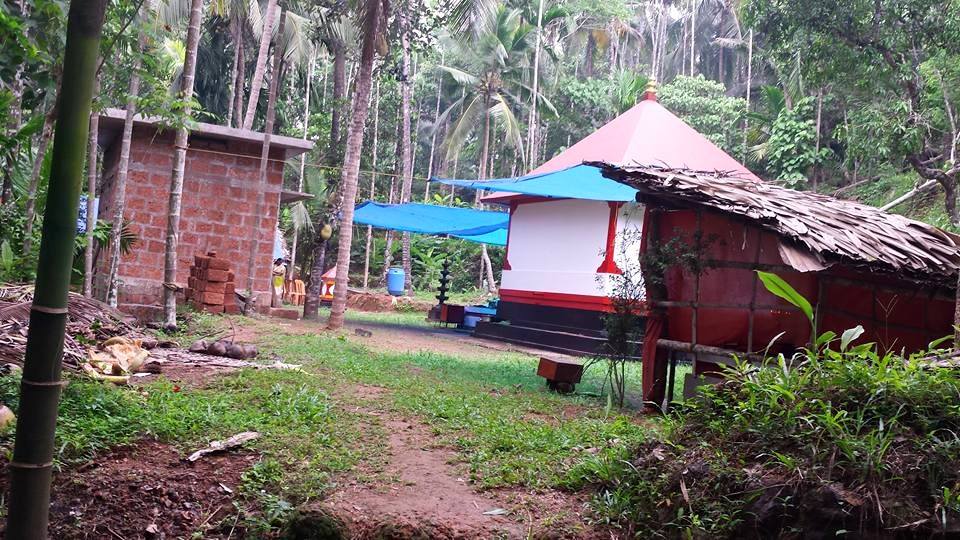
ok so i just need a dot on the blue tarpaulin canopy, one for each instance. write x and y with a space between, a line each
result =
466 223
577 182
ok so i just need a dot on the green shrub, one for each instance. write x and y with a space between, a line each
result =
827 440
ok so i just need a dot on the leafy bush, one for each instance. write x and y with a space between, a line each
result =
831 440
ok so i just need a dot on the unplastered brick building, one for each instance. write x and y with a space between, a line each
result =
219 206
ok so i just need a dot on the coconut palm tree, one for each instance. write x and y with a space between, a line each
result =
33 453
406 167
179 162
373 14
493 89
120 186
338 35
264 157
258 72
493 81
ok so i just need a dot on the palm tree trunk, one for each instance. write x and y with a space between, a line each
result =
30 210
491 279
241 79
392 196
746 117
388 235
123 167
433 136
721 76
323 86
339 98
816 168
693 34
532 120
235 36
32 463
254 234
484 155
92 172
256 83
176 177
589 52
406 166
303 165
373 183
351 162
311 302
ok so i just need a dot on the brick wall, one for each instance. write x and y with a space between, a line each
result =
218 213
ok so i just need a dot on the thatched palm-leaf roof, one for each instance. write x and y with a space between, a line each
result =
819 230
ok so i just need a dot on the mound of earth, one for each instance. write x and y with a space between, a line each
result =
146 491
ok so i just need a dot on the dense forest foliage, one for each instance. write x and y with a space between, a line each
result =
855 98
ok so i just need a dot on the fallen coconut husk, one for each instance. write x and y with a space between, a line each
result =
115 359
230 349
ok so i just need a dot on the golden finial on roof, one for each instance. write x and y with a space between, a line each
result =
650 92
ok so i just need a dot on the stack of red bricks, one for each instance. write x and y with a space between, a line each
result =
210 287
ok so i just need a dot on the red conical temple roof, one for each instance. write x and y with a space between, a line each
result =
646 135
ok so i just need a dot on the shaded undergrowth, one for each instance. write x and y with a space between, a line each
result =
826 442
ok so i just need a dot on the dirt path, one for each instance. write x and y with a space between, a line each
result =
421 493
425 494
397 338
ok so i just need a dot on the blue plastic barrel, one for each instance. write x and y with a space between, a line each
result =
395 279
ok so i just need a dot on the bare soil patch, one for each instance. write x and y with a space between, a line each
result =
367 391
184 375
146 491
426 495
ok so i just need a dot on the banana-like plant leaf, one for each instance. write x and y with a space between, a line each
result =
849 336
777 286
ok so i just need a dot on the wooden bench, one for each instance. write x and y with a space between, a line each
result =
561 374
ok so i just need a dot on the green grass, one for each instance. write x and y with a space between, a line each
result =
302 427
507 429
399 318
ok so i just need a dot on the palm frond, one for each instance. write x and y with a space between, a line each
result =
501 112
461 77
729 43
174 13
463 127
297 47
255 17
473 16
300 217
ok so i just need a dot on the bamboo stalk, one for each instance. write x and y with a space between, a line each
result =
32 463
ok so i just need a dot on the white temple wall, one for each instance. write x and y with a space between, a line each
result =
557 246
